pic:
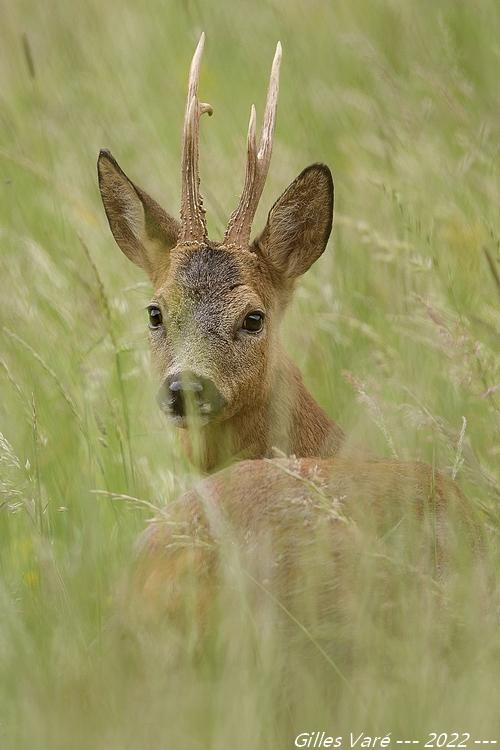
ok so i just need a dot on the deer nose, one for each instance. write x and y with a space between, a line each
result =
186 392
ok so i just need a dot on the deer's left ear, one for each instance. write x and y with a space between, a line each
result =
299 223
143 231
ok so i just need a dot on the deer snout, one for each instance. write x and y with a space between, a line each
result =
185 393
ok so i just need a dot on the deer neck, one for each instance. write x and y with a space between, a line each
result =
297 425
286 420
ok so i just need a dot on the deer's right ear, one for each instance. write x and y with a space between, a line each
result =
142 230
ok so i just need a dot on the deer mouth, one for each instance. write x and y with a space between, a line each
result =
196 418
184 423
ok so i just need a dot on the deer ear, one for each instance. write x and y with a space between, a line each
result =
299 223
142 230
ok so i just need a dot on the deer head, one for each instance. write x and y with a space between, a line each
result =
216 307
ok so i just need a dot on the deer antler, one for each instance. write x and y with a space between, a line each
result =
240 223
193 224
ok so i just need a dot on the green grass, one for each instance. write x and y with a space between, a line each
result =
396 329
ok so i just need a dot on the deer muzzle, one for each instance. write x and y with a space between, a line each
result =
186 394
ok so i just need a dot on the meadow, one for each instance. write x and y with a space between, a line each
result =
396 329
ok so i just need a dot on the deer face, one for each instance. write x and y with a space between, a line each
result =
215 311
211 325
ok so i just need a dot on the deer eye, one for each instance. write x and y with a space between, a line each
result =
155 317
253 322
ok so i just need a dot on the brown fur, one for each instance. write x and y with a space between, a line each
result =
272 515
205 289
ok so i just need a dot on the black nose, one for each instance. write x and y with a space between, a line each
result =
186 392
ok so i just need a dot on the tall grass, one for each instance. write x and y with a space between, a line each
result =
396 330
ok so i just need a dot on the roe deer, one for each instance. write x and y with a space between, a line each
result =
214 322
215 314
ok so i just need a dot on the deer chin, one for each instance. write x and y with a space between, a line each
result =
204 416
188 423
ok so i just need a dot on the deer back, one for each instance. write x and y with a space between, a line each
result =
280 523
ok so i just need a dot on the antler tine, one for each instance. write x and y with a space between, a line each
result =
251 142
237 217
240 223
266 143
193 224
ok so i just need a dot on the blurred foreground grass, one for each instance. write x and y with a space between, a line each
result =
396 329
